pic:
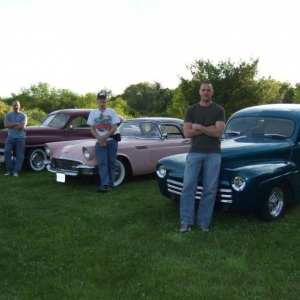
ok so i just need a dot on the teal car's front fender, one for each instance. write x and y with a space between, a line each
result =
259 176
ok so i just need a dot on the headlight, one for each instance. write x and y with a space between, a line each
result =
86 153
161 171
47 150
238 183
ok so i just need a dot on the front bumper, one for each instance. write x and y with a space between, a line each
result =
70 167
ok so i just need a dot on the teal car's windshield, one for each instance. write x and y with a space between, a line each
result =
260 126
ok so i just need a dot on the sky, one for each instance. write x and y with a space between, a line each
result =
87 45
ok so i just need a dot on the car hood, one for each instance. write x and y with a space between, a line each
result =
254 148
245 148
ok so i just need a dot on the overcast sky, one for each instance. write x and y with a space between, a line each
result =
86 45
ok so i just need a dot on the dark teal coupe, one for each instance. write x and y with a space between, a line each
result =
260 163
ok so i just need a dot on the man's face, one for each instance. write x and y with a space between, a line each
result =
16 106
101 100
206 92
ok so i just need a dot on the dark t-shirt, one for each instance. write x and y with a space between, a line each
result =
206 116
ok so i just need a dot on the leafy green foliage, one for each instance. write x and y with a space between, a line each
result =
145 99
34 116
236 86
120 106
4 108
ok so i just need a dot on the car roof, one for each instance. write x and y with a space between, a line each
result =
72 110
279 109
156 119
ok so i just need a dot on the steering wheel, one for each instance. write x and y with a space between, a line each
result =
154 133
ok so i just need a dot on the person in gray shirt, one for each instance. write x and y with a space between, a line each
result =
15 122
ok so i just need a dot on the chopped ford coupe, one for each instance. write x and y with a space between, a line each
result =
260 163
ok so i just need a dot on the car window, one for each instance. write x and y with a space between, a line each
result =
150 130
142 129
274 126
260 126
58 120
79 122
129 129
172 131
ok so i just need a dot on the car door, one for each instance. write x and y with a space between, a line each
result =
77 128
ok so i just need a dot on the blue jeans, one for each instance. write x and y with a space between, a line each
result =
18 145
210 165
107 157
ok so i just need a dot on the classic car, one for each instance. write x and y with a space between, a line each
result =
60 125
143 142
260 163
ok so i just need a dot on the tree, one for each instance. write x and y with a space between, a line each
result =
178 105
46 98
234 86
296 98
145 99
120 106
34 116
4 109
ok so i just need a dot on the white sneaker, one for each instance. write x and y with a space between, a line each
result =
184 228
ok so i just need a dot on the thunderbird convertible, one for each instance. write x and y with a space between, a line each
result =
260 163
143 142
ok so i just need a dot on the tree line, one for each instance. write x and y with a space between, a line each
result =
236 86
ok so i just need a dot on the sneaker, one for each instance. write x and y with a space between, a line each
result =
184 228
15 174
7 174
203 228
102 189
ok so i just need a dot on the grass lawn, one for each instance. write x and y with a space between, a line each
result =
65 241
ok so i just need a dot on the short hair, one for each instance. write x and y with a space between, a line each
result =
207 82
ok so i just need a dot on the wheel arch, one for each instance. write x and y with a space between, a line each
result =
126 163
27 157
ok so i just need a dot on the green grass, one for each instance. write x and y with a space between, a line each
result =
65 241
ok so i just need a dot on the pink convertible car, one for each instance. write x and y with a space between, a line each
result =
143 142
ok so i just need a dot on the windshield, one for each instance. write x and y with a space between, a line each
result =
140 129
260 126
58 120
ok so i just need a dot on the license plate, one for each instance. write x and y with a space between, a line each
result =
60 177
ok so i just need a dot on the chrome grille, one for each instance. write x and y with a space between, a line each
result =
65 164
224 195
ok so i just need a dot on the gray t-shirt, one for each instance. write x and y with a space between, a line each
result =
206 116
16 118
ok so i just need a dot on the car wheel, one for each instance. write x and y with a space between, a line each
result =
275 204
121 171
35 159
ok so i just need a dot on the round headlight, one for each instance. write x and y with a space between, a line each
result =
47 150
238 183
86 153
161 171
